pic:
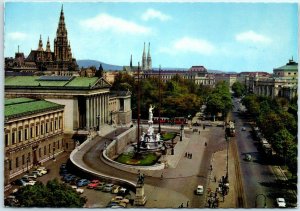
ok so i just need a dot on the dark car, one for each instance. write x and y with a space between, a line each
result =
83 182
63 172
196 124
69 178
19 182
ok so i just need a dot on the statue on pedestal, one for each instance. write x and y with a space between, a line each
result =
151 113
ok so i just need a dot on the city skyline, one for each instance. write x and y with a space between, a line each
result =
258 36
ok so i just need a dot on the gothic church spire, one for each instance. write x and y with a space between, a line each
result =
149 60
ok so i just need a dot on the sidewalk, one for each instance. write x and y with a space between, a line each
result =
218 162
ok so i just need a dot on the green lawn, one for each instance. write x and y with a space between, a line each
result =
168 136
145 160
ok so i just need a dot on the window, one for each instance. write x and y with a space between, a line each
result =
17 162
47 127
36 130
23 159
13 137
28 157
49 148
26 134
9 164
6 139
42 129
31 132
51 126
59 123
45 150
20 135
40 152
57 144
55 124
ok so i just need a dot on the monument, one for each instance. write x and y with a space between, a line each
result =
140 198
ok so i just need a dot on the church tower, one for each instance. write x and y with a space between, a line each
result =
144 61
149 60
61 45
40 51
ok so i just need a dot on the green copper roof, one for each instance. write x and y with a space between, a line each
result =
82 82
24 106
37 81
291 66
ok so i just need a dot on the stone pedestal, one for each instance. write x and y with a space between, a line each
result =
140 198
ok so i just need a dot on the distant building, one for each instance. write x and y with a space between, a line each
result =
229 78
43 61
283 82
33 134
120 108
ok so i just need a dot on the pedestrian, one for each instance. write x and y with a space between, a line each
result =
215 178
185 154
187 204
211 167
191 155
209 202
162 176
199 132
181 205
205 144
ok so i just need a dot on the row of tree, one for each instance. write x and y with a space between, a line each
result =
277 118
179 96
54 195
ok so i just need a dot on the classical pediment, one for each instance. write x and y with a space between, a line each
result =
101 83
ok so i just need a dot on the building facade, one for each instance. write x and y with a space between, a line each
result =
33 133
45 62
120 108
283 82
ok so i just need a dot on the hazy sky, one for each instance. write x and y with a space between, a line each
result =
220 36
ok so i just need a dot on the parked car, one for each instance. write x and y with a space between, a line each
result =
31 182
199 190
123 190
115 189
83 182
100 186
38 173
43 171
78 190
30 176
63 172
119 199
19 182
243 129
27 178
108 187
69 178
93 184
280 202
248 157
196 124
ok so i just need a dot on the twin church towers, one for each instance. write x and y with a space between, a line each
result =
146 60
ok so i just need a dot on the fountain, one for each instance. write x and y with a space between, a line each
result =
149 141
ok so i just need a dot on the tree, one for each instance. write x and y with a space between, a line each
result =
54 194
99 72
238 88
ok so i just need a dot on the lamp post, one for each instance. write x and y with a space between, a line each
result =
98 119
159 128
27 161
181 131
111 113
227 140
265 200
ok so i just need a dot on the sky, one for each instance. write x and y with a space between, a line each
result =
220 36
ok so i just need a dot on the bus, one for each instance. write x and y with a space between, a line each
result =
163 120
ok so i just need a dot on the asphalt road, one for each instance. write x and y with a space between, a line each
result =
256 174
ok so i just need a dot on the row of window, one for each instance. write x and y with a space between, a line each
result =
27 160
28 133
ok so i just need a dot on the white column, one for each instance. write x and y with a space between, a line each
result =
95 112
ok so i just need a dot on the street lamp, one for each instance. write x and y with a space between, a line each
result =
27 161
98 118
181 131
227 140
111 113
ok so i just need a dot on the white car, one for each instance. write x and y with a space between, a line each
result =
43 171
78 190
31 182
199 190
280 202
